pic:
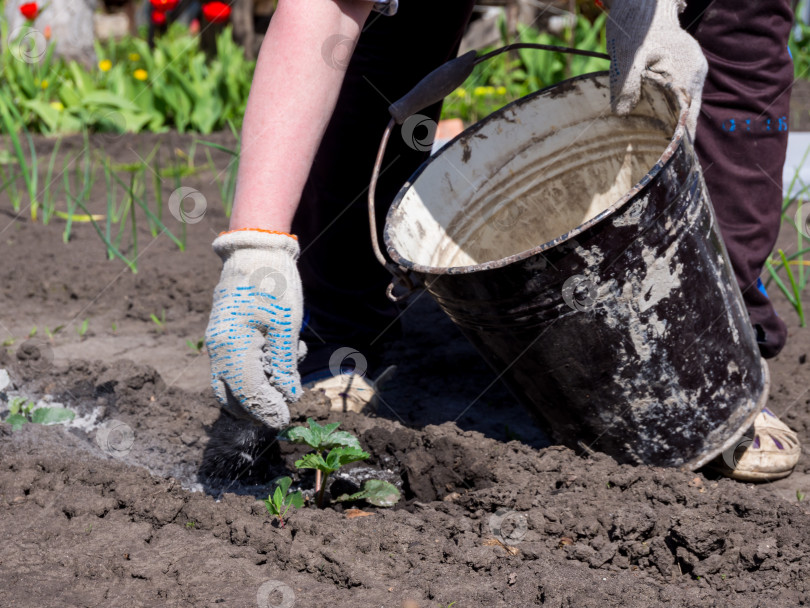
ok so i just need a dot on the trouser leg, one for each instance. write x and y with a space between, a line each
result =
742 136
344 285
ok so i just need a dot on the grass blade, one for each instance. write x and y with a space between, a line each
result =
796 291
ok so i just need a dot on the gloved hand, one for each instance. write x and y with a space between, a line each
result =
252 335
645 40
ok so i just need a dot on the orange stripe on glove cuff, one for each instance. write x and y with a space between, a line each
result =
292 236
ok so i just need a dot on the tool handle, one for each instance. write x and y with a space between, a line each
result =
434 87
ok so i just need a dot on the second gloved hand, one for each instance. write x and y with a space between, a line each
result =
253 333
645 40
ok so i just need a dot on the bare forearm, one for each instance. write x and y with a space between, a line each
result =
291 100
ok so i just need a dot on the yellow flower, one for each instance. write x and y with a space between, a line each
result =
134 57
501 90
461 93
105 65
140 74
44 84
57 105
480 91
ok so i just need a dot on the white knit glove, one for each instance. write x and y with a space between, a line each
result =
645 40
252 336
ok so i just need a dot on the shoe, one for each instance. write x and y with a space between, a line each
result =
348 392
768 451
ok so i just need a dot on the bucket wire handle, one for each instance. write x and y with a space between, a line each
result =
431 89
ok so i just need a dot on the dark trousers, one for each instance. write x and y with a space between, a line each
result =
741 141
742 134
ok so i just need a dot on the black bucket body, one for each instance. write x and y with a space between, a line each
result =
579 252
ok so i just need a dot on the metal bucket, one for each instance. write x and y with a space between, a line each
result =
579 252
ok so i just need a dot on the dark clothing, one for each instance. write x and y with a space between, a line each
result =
344 285
741 141
742 135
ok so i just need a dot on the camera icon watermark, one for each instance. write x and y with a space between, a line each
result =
37 354
180 208
732 455
115 438
421 142
275 594
337 51
347 360
508 526
27 44
269 282
579 292
509 216
109 125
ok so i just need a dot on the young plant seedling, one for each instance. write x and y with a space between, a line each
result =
159 321
280 501
197 345
82 329
341 449
51 333
21 411
324 467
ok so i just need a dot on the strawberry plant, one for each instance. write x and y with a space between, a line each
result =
21 412
280 501
332 450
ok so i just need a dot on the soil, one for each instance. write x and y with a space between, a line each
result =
151 497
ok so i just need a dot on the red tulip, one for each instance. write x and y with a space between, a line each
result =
216 12
159 18
29 10
164 5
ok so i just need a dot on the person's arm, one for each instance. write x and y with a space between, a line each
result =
253 331
295 88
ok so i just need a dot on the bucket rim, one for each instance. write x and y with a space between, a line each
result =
674 144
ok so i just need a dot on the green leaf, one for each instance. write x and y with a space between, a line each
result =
298 434
376 492
340 438
312 461
106 98
280 501
16 421
272 505
296 499
15 405
284 484
320 437
344 455
51 415
45 112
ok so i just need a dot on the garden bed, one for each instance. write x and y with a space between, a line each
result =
147 513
